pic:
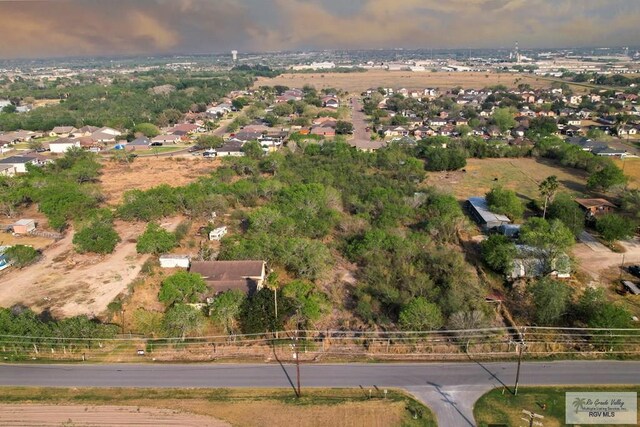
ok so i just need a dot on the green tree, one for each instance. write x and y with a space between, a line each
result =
258 312
182 320
505 202
420 315
567 210
147 129
181 287
155 240
226 308
309 302
343 128
148 323
607 177
253 150
98 237
209 141
548 188
504 118
550 300
614 227
550 235
498 252
22 255
239 103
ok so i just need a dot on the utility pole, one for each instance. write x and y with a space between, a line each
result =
521 345
297 363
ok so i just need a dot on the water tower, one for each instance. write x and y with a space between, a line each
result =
234 55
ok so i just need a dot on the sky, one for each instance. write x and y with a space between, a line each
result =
51 28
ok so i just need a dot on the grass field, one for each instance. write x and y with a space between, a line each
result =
522 175
496 408
631 167
358 82
245 407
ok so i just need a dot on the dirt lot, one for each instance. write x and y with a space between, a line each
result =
148 172
521 175
85 415
72 283
358 82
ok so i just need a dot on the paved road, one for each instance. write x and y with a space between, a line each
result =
450 389
361 137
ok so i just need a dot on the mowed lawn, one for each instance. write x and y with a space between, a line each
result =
522 175
499 407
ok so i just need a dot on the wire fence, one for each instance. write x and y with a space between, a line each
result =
327 345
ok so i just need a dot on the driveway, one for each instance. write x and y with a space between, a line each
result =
594 257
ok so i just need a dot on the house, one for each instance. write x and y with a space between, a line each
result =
85 131
24 226
217 233
220 276
323 131
165 139
63 145
574 121
19 163
594 207
609 152
62 131
219 110
532 262
7 170
479 211
330 102
174 261
232 147
141 142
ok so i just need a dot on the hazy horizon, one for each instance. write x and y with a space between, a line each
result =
98 28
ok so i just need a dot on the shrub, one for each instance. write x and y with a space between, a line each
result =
155 240
21 255
98 237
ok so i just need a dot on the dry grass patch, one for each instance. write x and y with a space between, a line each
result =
149 172
244 407
522 175
359 82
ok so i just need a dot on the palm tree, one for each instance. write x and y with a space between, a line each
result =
548 189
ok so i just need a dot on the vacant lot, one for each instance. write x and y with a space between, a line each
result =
631 167
521 175
148 172
358 82
73 284
265 407
501 408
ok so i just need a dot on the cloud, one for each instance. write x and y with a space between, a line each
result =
111 27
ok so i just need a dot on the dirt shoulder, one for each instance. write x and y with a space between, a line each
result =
79 415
